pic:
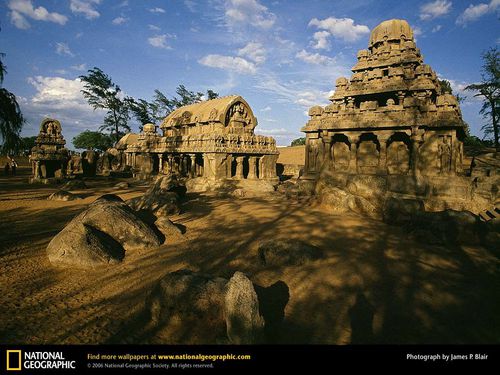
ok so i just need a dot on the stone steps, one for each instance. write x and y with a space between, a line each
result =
490 214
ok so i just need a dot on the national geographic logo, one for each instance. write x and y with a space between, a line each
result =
18 360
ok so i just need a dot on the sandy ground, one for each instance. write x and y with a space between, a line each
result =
375 284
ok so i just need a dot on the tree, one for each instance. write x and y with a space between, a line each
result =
299 142
446 88
26 144
92 140
162 106
489 89
11 118
102 93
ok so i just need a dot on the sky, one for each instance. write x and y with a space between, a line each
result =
281 56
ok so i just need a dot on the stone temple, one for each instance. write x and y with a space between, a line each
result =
390 132
49 157
390 118
213 139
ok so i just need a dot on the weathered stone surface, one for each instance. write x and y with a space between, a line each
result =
63 196
287 253
84 246
162 198
195 301
165 225
450 227
74 185
366 186
241 310
97 234
400 211
122 185
365 207
335 199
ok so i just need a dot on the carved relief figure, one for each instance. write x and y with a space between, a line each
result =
444 151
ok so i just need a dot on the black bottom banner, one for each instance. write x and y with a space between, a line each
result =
139 359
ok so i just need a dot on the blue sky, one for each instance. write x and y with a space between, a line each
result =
281 56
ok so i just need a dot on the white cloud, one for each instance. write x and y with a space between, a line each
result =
22 9
60 98
266 109
154 28
85 7
159 41
283 136
314 58
191 5
119 20
61 71
80 67
311 98
253 51
342 28
321 40
157 10
474 12
436 28
230 63
63 49
417 31
248 12
434 9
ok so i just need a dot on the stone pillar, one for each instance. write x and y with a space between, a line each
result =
38 173
184 165
252 167
327 152
382 164
229 165
268 170
414 148
353 159
207 168
239 167
192 169
160 163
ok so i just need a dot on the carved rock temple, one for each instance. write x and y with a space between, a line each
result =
49 157
390 118
213 139
390 132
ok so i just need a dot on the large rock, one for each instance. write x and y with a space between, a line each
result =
165 225
400 211
450 227
162 198
490 235
63 196
287 253
241 310
74 185
365 207
108 218
335 199
84 246
367 186
189 306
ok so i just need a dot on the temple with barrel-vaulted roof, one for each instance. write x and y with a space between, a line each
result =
213 139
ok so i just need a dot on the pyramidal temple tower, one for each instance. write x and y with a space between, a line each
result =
390 117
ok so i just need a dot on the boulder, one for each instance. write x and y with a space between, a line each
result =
367 186
365 207
189 306
335 199
287 253
109 221
162 198
63 195
490 235
241 310
84 246
400 211
165 225
74 185
122 185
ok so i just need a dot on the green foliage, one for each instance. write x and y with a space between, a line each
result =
102 93
299 142
11 118
489 90
445 86
93 140
26 144
162 106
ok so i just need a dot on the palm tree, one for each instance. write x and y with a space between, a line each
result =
11 118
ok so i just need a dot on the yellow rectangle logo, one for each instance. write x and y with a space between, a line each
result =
13 364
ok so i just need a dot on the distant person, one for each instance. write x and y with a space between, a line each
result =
13 166
7 168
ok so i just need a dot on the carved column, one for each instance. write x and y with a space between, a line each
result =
327 152
192 169
184 165
353 159
382 164
415 139
160 163
239 167
252 167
